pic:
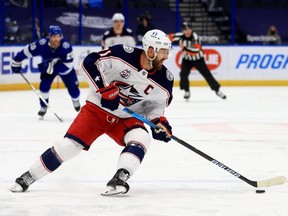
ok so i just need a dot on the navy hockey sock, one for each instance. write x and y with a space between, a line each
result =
50 159
135 149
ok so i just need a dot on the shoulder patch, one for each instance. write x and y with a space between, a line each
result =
129 30
65 45
128 49
106 32
42 41
169 75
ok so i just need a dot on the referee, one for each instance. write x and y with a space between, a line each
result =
193 56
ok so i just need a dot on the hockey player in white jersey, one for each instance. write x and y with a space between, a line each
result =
118 34
57 59
119 76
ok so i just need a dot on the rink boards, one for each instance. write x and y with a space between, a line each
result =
230 65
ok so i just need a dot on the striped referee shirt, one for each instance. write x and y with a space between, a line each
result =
192 50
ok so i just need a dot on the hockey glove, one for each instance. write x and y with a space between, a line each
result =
164 131
46 67
110 97
16 66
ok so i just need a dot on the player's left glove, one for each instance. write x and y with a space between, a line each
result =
16 66
164 131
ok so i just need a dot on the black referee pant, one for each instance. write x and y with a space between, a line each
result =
201 66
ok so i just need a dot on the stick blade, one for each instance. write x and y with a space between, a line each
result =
272 182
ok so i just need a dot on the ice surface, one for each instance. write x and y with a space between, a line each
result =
247 132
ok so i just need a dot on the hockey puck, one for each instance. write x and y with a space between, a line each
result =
260 191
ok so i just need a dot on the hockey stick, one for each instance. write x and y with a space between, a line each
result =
258 184
41 98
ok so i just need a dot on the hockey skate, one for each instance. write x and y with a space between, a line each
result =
187 95
77 105
42 112
220 94
117 185
22 183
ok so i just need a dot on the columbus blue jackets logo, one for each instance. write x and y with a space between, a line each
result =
128 49
128 93
169 75
125 74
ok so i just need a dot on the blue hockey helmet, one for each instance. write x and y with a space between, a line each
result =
54 30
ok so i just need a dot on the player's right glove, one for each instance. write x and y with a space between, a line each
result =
46 67
16 66
164 131
110 97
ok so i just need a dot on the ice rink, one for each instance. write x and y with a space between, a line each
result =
247 132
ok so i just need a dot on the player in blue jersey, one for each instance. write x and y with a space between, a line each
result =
57 59
119 76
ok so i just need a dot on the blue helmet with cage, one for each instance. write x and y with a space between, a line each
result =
54 30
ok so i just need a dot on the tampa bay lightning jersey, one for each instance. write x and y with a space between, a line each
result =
145 92
62 56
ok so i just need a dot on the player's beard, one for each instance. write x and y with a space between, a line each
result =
157 64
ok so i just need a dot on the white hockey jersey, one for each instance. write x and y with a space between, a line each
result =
145 92
111 39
